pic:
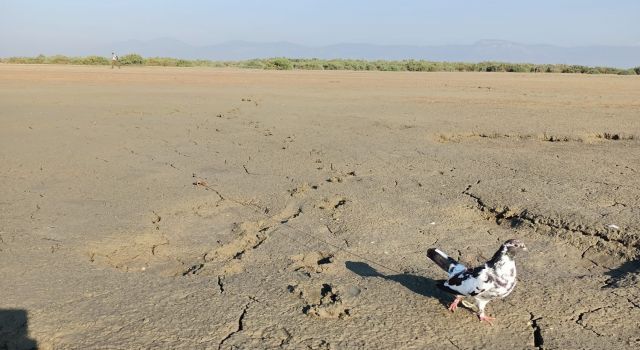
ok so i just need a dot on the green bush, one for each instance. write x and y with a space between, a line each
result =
93 60
253 64
417 66
312 64
628 72
354 64
280 63
131 59
160 61
184 63
59 59
40 59
333 65
519 68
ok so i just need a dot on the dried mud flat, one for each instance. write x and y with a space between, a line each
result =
220 209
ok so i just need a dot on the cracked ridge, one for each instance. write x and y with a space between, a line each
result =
240 323
537 221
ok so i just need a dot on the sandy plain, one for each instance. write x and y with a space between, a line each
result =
215 209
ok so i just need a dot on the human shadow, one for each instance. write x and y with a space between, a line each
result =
14 330
418 284
621 272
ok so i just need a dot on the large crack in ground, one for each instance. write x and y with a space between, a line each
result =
240 323
626 248
221 283
580 320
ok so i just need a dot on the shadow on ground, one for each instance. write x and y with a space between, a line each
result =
628 270
417 284
14 329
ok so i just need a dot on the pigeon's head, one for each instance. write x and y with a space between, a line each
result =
512 246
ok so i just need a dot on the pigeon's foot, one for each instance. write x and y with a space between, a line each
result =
484 317
454 305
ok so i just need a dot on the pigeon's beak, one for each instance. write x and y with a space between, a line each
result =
525 248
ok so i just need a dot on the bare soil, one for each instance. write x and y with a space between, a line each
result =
190 208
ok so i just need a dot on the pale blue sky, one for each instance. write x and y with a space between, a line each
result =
28 27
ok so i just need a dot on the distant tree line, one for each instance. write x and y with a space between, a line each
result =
281 63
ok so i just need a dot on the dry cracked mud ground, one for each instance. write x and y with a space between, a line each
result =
228 209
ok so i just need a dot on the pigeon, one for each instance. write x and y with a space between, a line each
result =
494 279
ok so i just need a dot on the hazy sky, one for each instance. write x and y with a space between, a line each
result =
29 26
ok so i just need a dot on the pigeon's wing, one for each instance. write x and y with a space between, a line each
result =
447 263
456 269
469 282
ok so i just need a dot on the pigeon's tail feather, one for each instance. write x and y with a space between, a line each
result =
441 259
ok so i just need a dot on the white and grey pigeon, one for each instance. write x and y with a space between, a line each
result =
494 279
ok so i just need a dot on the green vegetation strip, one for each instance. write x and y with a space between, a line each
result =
333 64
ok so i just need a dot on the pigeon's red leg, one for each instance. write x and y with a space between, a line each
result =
483 317
454 305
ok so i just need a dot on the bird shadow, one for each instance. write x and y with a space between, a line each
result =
622 271
418 284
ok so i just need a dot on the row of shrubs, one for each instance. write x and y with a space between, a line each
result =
429 66
130 59
334 64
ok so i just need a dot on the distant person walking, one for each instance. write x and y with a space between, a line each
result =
115 60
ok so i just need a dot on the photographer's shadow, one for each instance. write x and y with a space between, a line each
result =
417 284
14 330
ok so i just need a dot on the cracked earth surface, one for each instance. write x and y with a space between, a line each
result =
226 209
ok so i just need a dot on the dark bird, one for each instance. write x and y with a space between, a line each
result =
494 279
